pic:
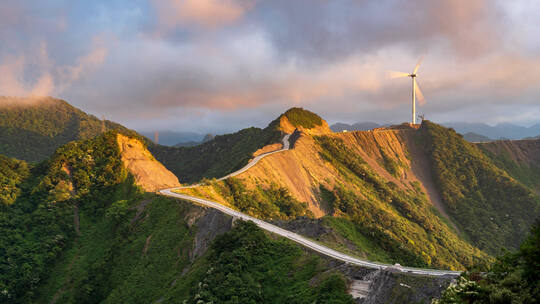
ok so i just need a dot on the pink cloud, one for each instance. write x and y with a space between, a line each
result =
35 74
202 13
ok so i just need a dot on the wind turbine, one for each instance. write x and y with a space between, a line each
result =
415 88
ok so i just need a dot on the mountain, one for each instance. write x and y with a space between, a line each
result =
519 158
473 137
226 153
422 197
359 126
500 131
84 226
207 137
171 138
79 228
32 129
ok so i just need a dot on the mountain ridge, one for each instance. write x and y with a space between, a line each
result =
32 129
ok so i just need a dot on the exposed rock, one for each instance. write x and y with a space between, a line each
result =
211 224
150 174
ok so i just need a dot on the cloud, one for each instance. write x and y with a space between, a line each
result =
330 30
223 59
13 82
206 14
35 74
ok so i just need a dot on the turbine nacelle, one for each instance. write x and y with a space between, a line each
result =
415 89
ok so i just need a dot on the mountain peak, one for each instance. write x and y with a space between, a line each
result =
302 120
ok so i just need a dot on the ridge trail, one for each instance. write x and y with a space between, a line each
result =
294 236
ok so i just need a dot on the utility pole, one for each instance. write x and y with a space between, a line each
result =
156 137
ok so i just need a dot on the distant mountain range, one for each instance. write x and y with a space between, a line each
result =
473 137
171 138
471 131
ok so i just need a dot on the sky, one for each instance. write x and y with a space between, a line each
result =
222 65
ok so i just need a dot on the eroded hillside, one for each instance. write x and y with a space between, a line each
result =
150 174
385 194
378 182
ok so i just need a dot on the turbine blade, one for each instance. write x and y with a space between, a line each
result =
418 64
419 94
394 74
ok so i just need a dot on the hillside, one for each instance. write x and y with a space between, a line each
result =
513 278
520 158
150 174
32 129
77 228
384 195
224 154
473 137
493 209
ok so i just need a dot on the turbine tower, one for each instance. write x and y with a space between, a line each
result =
415 88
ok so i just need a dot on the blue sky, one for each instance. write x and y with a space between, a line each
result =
221 65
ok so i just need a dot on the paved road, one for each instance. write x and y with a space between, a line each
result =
294 236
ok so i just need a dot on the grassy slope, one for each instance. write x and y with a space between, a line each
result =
402 222
375 218
217 157
43 258
527 173
34 132
491 208
384 222
150 259
226 153
299 117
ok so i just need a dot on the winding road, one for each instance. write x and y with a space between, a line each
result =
294 236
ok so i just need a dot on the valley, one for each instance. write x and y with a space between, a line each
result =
339 209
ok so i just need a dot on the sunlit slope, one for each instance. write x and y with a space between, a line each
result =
230 152
150 174
493 209
368 179
394 191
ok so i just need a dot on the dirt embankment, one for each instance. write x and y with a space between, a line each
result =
301 170
150 174
399 146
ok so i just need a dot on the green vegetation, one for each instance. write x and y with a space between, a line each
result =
401 222
299 117
218 157
226 153
40 221
34 132
12 174
491 208
245 266
271 203
375 245
513 278
527 174
391 165
75 229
